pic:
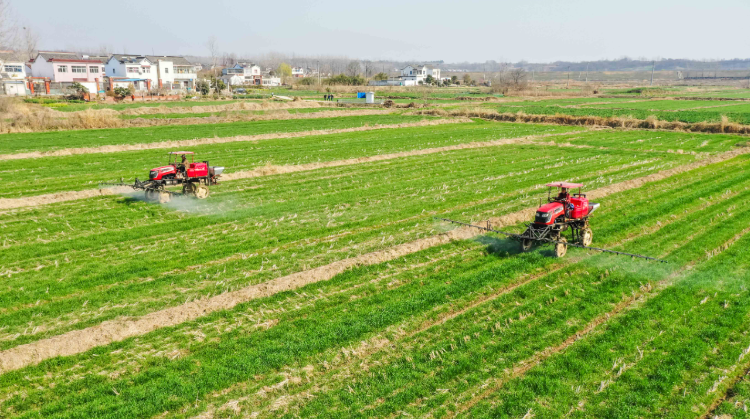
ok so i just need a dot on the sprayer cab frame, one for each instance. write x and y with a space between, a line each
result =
564 185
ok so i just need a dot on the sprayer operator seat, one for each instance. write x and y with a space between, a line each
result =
183 163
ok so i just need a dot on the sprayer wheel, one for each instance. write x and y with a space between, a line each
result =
561 248
150 195
587 236
526 245
201 191
164 197
188 188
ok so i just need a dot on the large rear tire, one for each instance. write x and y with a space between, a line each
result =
587 236
561 248
151 195
201 191
526 245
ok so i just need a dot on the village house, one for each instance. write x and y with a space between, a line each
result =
419 73
65 68
12 74
299 72
411 75
242 74
146 72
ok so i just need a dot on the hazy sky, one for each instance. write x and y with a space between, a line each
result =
454 31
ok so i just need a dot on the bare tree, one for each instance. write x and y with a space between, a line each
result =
27 46
213 50
229 60
8 27
517 78
353 68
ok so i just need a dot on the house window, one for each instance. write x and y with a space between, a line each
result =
93 69
113 71
12 69
166 70
78 69
146 70
62 68
132 69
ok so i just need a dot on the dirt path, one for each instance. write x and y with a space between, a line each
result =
79 341
216 140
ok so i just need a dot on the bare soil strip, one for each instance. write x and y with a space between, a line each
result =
79 341
216 140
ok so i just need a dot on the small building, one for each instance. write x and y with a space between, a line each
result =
393 81
65 68
299 72
270 81
13 74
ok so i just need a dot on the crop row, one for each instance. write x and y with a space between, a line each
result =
694 116
647 140
46 141
661 105
231 113
73 107
86 171
73 265
426 362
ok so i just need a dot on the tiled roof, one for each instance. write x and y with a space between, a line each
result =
176 60
58 55
129 58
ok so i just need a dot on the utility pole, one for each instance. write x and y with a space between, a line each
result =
568 86
318 73
587 73
653 67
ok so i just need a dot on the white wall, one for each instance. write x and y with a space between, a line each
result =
41 68
113 64
15 88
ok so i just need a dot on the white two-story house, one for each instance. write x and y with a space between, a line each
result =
146 72
242 74
137 70
12 74
419 73
299 72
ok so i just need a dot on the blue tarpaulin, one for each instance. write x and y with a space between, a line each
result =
361 95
